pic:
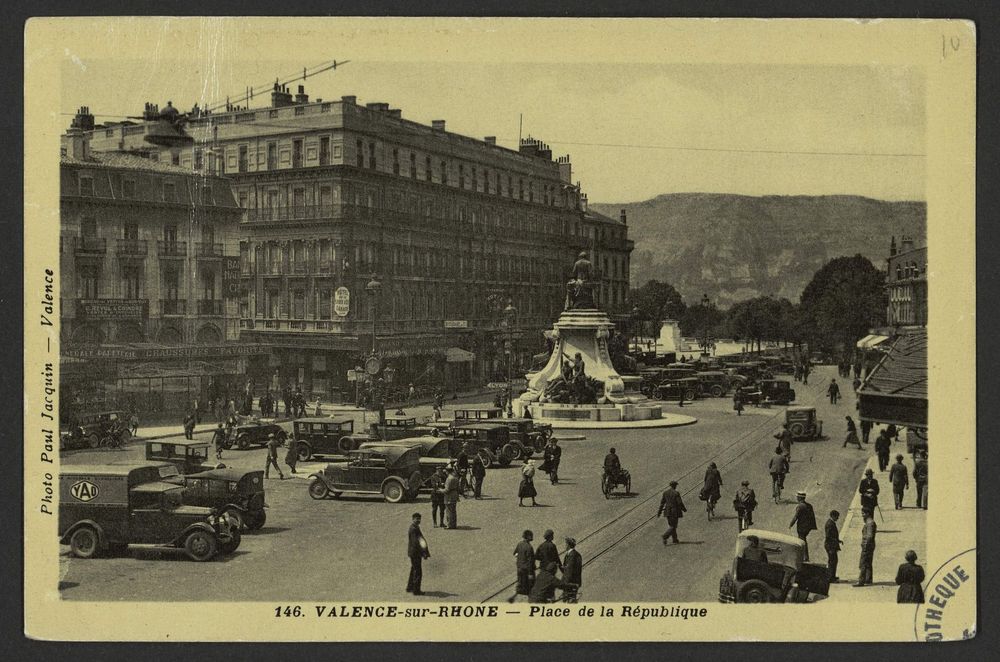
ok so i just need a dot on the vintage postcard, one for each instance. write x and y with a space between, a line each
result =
348 329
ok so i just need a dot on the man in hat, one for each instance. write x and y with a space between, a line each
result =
612 464
438 478
219 439
572 566
831 543
753 551
272 457
744 503
671 507
900 480
451 487
804 521
852 434
868 488
868 532
920 479
525 555
478 475
833 391
784 438
547 552
553 455
417 550
882 449
777 466
866 430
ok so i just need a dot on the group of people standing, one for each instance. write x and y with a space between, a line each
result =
536 569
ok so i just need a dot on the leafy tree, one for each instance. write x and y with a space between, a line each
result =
842 301
700 319
656 301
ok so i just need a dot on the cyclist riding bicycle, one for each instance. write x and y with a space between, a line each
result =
778 467
612 466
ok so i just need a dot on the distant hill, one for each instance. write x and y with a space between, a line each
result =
735 247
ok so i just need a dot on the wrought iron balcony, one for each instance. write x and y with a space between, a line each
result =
91 245
132 247
171 248
208 249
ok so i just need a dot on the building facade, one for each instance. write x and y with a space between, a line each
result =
906 284
454 229
149 278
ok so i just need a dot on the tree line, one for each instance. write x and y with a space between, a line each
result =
844 298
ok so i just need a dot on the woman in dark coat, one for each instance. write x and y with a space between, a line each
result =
710 490
527 486
910 576
738 400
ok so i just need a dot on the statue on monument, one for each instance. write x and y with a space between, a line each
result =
580 288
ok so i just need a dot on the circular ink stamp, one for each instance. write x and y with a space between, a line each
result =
949 609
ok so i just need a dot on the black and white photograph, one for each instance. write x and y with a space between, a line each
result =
424 313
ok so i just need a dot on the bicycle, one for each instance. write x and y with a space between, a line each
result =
710 507
777 483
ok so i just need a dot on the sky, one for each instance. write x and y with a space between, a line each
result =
636 121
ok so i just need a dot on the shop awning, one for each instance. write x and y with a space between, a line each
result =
458 355
896 390
870 341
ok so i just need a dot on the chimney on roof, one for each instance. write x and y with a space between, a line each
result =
280 96
565 169
437 125
624 218
77 144
395 112
302 97
583 202
490 140
351 99
906 244
892 247
529 146
83 120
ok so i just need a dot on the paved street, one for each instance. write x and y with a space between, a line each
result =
354 548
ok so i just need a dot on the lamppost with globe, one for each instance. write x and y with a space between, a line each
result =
509 316
373 366
706 341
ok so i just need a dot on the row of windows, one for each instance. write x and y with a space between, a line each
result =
125 188
131 283
130 231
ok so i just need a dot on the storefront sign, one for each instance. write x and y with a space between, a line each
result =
139 352
231 277
116 309
456 324
342 301
352 375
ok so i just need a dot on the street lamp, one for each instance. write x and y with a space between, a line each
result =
635 328
509 314
705 342
373 288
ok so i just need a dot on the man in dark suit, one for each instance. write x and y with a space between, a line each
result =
671 507
417 550
547 552
868 488
525 555
804 521
882 449
831 543
900 481
572 568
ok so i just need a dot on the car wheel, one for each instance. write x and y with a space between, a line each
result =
393 491
236 517
717 391
690 395
93 441
318 489
345 445
233 543
755 592
255 520
281 436
200 545
509 453
797 429
243 442
303 452
84 542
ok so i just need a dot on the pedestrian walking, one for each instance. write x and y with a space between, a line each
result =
805 372
711 489
547 552
856 384
189 422
852 434
671 507
133 423
219 440
572 572
745 502
832 543
868 532
437 494
462 464
804 521
777 466
785 441
292 454
920 479
272 457
738 400
833 391
900 480
797 372
869 490
417 550
525 555
553 455
478 475
451 486
286 397
866 430
527 487
882 448
910 577
411 395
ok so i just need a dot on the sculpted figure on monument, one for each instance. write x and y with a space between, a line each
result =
580 288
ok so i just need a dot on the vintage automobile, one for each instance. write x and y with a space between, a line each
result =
256 433
751 371
187 455
803 423
323 436
434 452
395 427
714 382
482 413
107 508
394 472
237 493
672 389
87 430
490 440
769 392
785 577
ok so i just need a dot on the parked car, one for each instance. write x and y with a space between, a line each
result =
770 391
434 452
393 472
478 414
240 494
256 433
714 382
188 456
87 430
803 423
107 508
672 389
395 427
318 437
490 440
785 577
